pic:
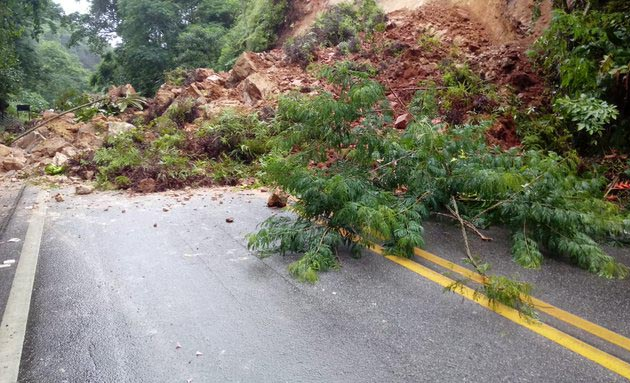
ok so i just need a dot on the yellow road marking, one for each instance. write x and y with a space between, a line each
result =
545 307
579 347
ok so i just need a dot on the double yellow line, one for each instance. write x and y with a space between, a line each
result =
586 350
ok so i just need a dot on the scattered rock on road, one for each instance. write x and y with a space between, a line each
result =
84 189
146 185
277 199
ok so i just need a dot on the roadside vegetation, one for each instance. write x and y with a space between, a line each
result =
223 151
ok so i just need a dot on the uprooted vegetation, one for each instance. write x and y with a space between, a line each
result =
359 181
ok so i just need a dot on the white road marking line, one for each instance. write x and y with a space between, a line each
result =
13 328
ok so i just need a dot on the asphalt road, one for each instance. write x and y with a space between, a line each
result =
160 288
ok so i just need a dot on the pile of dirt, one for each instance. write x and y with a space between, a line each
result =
254 83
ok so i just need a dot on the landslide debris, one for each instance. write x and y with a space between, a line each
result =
432 51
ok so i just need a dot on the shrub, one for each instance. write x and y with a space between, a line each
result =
339 26
586 55
180 111
589 113
255 29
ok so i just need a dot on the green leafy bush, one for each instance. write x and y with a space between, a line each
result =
587 55
359 178
341 26
589 113
223 151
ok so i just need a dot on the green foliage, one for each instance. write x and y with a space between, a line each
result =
357 178
428 41
587 55
511 293
199 46
589 113
117 155
53 170
122 182
37 102
425 102
180 111
241 136
156 36
18 18
543 132
340 25
59 71
525 251
176 76
462 94
224 151
255 29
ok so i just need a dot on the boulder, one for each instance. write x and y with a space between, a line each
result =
114 128
12 163
200 74
244 66
86 138
146 185
255 88
60 159
84 189
49 147
216 79
5 151
402 121
163 99
192 91
29 141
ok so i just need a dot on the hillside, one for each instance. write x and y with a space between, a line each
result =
494 50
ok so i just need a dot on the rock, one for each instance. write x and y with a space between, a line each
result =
215 78
192 91
86 138
255 88
402 121
229 220
12 163
277 199
50 147
60 159
120 91
58 197
200 74
163 99
88 175
146 185
244 66
84 189
5 151
70 151
115 128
